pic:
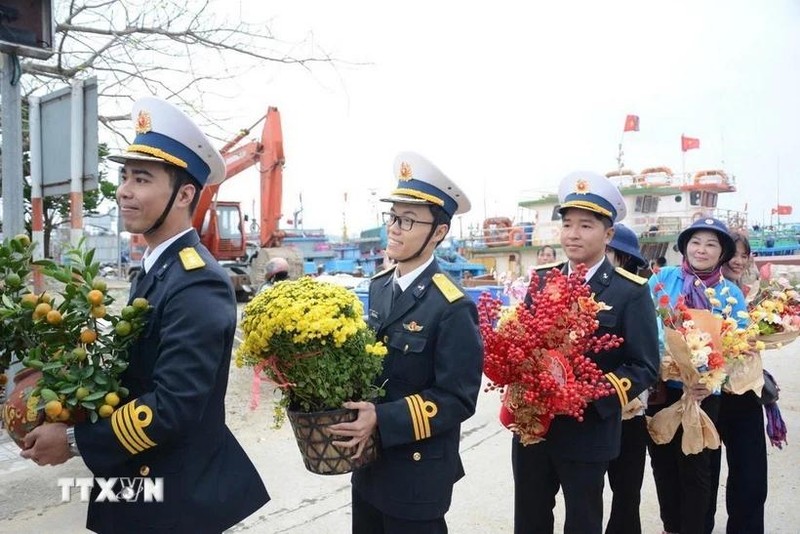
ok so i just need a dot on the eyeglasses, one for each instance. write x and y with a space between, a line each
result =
405 223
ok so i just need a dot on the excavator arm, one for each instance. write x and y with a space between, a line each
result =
268 155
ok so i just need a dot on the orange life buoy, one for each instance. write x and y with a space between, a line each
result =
516 237
698 176
497 222
618 172
654 170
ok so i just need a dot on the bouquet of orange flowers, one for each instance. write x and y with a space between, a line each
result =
693 356
535 354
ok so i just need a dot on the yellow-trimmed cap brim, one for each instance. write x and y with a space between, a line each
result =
407 200
136 156
588 206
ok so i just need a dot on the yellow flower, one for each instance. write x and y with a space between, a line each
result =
710 293
310 337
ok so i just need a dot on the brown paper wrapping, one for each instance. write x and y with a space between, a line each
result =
745 375
632 409
699 431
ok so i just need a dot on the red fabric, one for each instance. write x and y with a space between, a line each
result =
631 123
782 209
506 416
689 143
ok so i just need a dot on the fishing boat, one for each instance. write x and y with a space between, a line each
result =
777 244
660 203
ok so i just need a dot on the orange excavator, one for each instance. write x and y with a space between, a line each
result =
221 224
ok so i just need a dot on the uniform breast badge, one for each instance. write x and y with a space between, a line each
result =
413 326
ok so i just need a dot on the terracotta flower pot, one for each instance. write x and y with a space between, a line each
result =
320 456
20 413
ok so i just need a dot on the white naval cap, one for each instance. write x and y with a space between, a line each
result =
421 182
593 192
165 133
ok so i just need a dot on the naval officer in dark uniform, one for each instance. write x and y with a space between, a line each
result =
172 425
433 371
575 455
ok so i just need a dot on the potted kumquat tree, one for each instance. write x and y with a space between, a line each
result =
72 347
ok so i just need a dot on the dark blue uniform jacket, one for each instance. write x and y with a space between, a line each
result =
432 378
173 423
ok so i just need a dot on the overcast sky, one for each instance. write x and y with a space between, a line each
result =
507 97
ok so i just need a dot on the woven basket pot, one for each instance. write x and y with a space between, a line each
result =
320 456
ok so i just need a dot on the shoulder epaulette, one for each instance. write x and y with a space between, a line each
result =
548 266
447 287
383 272
630 276
190 259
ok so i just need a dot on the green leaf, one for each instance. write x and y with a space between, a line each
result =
97 395
48 394
62 277
93 416
100 379
67 390
88 405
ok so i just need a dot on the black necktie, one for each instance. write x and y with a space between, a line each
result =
138 280
396 292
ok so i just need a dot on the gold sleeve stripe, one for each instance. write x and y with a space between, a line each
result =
140 423
127 428
414 417
415 400
429 411
422 412
424 428
128 424
122 435
134 424
622 385
623 397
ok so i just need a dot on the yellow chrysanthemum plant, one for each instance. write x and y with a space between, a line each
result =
310 338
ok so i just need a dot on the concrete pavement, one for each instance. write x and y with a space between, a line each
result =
303 502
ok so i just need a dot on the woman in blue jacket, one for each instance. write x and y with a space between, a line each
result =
741 429
683 482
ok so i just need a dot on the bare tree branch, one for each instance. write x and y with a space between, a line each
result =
140 46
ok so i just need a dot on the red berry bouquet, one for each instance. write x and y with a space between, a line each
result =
536 355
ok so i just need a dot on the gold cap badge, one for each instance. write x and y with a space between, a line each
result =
405 172
582 187
143 122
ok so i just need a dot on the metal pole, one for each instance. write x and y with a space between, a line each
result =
13 207
37 201
76 164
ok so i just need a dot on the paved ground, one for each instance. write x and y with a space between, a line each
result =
303 502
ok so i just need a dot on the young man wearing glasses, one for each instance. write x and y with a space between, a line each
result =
432 374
